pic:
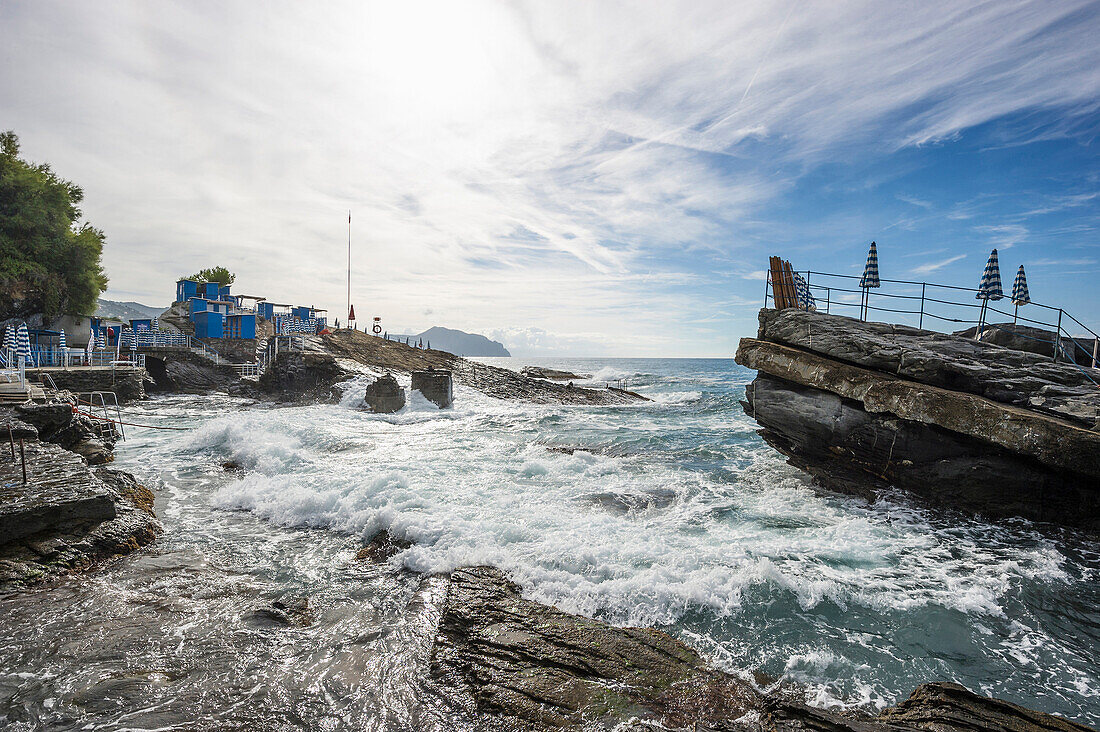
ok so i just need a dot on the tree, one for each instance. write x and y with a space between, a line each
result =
49 262
214 274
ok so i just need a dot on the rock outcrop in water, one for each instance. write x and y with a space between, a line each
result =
384 395
541 372
865 406
516 664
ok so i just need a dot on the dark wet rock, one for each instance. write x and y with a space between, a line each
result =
514 664
381 547
384 395
302 376
60 491
186 372
57 423
232 466
865 406
541 372
284 611
949 707
501 655
13 428
68 517
850 450
626 501
434 385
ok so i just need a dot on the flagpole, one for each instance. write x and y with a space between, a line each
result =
349 265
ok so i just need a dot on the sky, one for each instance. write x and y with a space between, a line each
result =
571 178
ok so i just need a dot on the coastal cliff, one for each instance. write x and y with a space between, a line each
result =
867 406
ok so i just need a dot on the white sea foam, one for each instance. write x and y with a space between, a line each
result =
626 533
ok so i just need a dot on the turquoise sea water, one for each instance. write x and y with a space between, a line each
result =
671 513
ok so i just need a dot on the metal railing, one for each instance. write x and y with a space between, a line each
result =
924 304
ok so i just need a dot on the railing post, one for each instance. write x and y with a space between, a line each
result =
1095 344
1058 337
828 299
923 285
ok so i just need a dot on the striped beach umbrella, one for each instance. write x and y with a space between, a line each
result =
1020 295
802 293
62 346
8 345
23 343
869 278
989 288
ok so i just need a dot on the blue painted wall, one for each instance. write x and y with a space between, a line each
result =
208 324
186 289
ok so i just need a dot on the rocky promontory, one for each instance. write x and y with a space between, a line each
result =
321 362
867 406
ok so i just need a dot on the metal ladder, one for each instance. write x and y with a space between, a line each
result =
108 400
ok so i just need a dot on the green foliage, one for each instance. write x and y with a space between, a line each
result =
48 261
214 274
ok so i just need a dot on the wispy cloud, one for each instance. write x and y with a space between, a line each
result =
1003 236
929 267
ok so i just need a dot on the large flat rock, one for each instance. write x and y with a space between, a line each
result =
60 490
950 362
1052 441
544 668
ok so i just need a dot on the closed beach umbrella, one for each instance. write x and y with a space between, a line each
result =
1020 295
23 343
990 287
63 346
8 346
870 277
802 293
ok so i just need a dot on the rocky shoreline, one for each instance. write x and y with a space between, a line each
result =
502 660
864 407
70 515
511 663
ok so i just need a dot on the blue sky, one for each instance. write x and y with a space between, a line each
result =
588 178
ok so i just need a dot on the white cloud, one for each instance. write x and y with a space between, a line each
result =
544 167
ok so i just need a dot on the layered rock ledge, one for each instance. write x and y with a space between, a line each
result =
67 516
866 406
514 664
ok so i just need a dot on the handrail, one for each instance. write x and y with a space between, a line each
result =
1061 334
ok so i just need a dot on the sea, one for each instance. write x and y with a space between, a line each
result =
671 513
